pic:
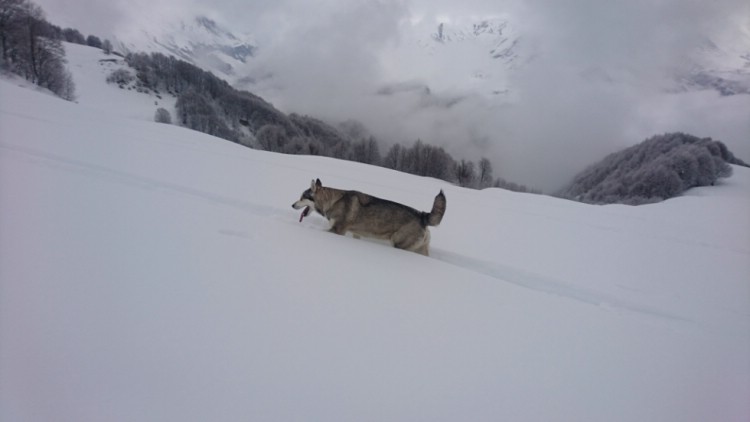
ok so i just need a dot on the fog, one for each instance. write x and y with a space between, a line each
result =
594 77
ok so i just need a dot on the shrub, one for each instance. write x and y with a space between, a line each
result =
120 77
162 116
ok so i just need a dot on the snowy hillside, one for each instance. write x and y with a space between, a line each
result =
723 67
151 273
200 41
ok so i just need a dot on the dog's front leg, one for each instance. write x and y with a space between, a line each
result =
337 228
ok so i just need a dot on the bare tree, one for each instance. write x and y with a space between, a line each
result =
395 158
11 12
107 47
485 173
366 151
465 173
31 47
272 138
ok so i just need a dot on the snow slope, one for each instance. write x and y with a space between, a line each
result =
151 273
198 40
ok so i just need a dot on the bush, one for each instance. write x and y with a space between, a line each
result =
120 77
162 116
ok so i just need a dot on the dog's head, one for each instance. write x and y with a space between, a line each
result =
307 200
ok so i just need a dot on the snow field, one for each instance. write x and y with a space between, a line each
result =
148 272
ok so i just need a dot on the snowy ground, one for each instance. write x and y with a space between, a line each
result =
152 273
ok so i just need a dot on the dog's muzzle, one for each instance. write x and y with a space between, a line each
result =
305 212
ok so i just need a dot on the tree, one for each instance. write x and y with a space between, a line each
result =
107 47
366 151
11 12
272 138
120 77
465 173
31 47
55 76
198 112
485 173
94 41
656 182
395 157
162 116
73 36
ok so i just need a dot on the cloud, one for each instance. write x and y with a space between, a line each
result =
329 58
598 81
596 78
88 16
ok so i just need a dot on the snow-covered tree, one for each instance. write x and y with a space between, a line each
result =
162 115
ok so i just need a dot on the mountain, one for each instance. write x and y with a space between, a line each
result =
149 272
205 43
724 68
459 55
200 41
497 36
721 64
457 58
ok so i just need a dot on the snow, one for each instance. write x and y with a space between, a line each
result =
91 68
149 272
196 39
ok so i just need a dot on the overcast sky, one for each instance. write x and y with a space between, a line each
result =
330 54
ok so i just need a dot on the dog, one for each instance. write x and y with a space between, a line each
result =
368 216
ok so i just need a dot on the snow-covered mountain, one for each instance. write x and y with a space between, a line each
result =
457 56
723 67
200 41
150 273
497 36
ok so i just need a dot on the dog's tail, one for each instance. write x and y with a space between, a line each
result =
434 217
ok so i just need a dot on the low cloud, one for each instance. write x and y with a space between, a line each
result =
596 79
596 76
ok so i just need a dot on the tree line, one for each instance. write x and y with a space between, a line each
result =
209 104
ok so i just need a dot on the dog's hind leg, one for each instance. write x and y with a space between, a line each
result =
423 247
404 240
424 250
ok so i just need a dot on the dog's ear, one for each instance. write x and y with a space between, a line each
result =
312 186
318 184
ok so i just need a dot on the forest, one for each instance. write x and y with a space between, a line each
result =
209 104
661 167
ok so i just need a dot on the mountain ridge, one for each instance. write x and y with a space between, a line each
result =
200 41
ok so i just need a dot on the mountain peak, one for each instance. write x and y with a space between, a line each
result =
200 40
210 25
495 35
